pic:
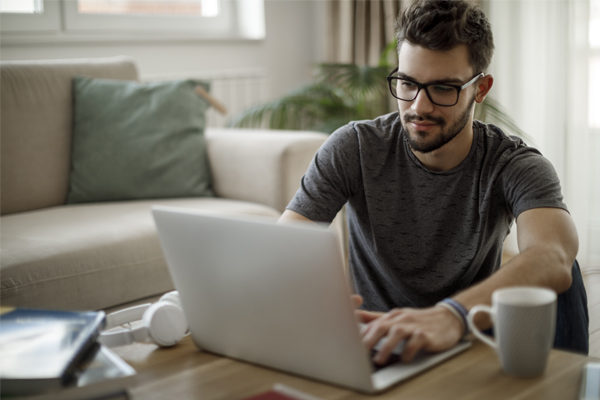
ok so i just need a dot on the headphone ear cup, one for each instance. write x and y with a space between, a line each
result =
165 323
172 297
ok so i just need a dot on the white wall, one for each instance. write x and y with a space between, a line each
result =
292 46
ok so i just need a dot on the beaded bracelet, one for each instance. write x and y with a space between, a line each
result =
458 310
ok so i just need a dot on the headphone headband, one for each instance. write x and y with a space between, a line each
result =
126 316
125 335
162 323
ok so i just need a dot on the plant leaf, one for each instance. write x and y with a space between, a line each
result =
492 112
311 107
385 55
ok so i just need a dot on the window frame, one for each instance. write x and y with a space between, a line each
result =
125 24
48 21
60 23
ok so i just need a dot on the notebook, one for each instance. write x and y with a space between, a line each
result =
40 350
274 295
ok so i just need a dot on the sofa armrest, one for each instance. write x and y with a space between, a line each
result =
260 165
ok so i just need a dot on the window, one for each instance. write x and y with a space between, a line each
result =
136 16
204 8
29 16
143 20
22 6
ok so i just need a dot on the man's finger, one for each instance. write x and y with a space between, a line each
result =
374 333
357 300
394 337
416 342
365 317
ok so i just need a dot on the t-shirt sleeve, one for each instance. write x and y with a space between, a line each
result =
530 181
331 179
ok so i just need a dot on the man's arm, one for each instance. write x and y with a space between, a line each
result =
292 216
548 245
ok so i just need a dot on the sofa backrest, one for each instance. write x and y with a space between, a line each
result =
36 108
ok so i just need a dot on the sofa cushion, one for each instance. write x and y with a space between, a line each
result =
92 256
138 141
36 108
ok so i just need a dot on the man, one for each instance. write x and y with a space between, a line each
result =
431 194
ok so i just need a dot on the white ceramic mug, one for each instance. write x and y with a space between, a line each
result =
524 320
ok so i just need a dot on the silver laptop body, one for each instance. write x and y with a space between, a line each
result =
274 295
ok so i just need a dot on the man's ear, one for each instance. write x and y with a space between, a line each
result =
483 87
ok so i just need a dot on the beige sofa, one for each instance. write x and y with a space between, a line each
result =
94 256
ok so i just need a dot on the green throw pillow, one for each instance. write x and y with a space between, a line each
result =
138 141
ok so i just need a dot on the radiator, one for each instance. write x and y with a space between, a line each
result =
236 90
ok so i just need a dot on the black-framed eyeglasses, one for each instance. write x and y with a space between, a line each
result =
441 94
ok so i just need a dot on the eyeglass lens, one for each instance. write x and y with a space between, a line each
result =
440 94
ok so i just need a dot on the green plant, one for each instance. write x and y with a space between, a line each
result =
492 112
343 93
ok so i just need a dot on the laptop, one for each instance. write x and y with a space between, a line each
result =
275 295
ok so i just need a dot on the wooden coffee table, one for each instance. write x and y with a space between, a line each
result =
184 372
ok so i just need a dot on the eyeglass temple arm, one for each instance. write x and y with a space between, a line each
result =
479 75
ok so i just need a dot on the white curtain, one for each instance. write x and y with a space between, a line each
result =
541 69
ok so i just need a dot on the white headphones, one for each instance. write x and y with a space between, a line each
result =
162 323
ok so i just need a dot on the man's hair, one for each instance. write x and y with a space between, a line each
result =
445 24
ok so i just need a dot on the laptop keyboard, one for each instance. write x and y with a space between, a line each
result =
394 358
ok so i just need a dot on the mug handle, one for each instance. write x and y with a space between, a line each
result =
477 332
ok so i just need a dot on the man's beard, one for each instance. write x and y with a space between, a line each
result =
422 145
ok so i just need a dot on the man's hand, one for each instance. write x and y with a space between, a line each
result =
362 316
431 329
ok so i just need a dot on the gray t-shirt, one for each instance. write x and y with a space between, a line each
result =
418 236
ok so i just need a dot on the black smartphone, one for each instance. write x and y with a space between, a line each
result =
590 382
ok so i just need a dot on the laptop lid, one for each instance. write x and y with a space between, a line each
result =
266 293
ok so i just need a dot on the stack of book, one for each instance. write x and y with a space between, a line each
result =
47 355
